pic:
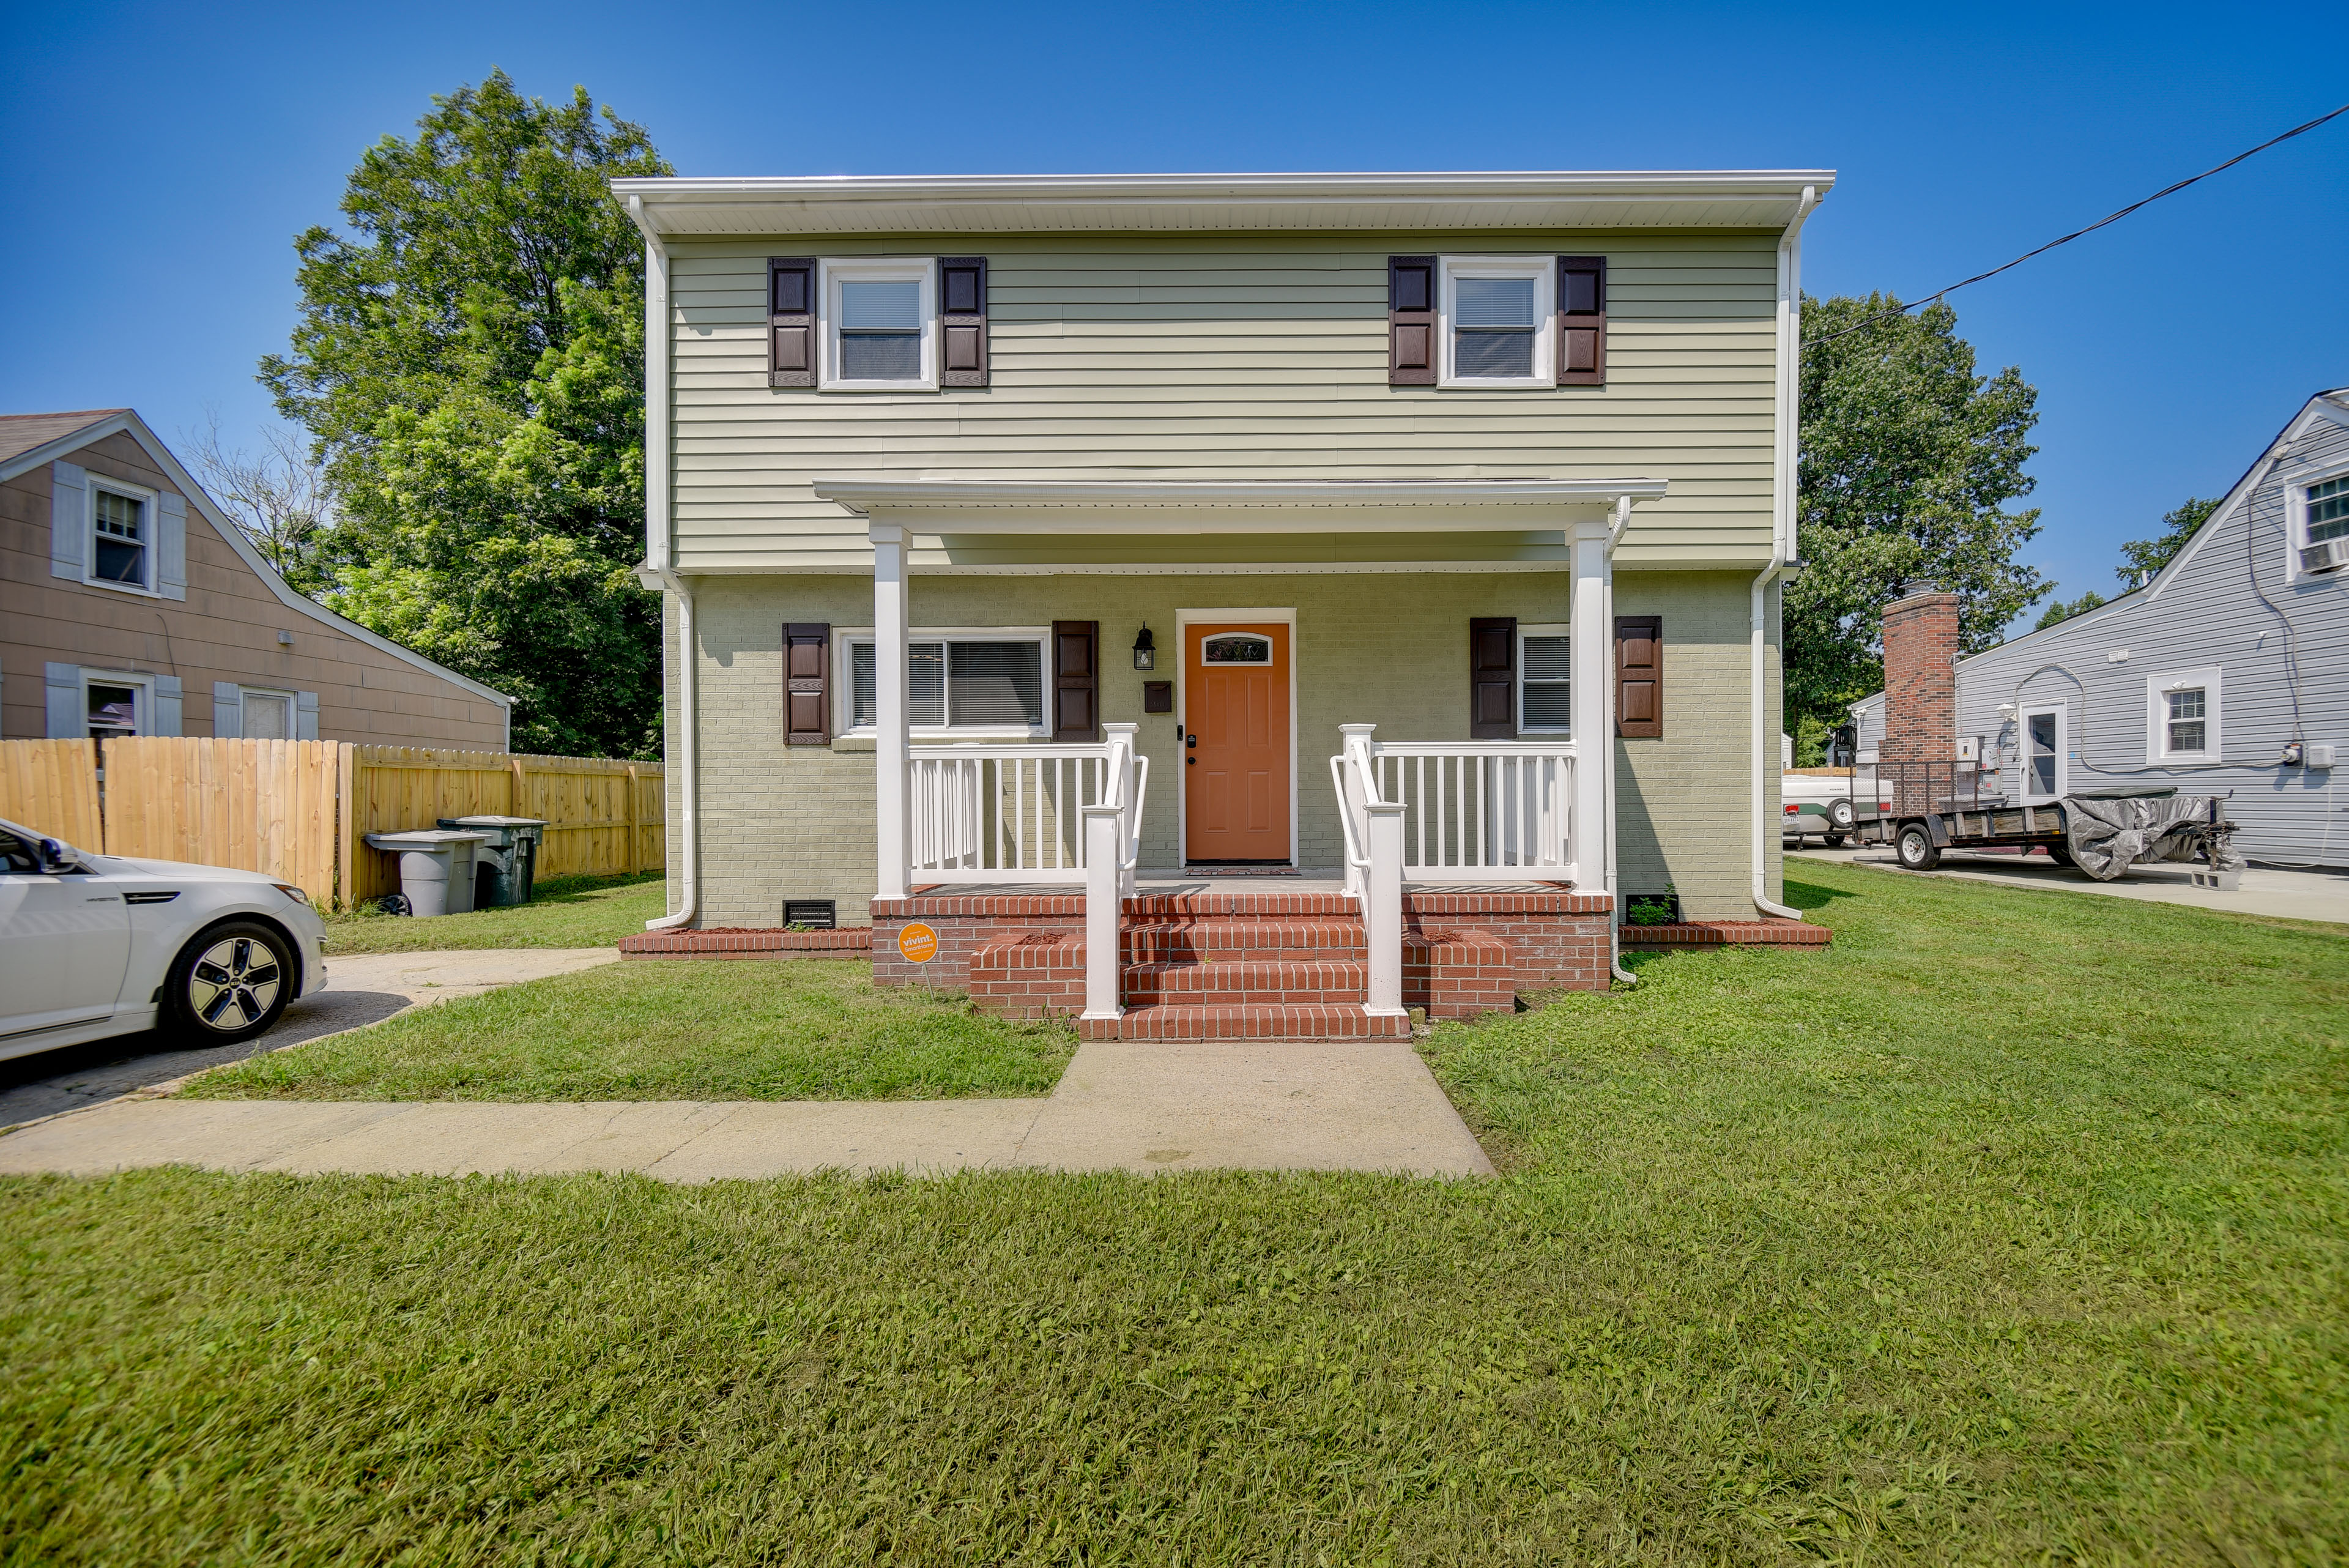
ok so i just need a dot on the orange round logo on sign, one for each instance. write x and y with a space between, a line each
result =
918 943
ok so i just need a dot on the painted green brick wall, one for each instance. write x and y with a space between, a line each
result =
797 822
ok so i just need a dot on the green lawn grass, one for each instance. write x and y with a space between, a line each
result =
2010 1229
670 1029
566 913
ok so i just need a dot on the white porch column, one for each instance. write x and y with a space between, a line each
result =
1104 827
1593 673
891 806
1382 910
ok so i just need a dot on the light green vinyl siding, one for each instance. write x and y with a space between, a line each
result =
1229 356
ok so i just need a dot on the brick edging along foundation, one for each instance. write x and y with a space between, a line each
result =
1728 933
748 942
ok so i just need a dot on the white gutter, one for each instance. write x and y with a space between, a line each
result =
657 553
1788 412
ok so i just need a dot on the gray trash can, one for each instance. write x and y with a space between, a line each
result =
436 868
505 869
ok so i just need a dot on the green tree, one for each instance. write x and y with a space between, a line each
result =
2145 556
469 361
1909 460
2057 610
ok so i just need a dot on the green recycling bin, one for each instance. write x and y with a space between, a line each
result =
505 869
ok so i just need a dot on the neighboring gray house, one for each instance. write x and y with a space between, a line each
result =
2228 674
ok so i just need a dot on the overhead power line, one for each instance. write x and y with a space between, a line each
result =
2091 228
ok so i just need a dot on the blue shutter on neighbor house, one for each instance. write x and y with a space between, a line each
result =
67 721
167 705
171 546
228 709
306 715
68 522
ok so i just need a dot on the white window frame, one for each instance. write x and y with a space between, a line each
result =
151 514
293 709
2063 752
1543 270
142 705
830 274
2158 689
1543 629
843 665
2296 487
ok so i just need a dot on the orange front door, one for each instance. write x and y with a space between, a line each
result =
1236 779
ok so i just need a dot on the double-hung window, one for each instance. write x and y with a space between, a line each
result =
880 326
2181 718
267 715
955 683
121 536
1497 315
116 707
2319 507
1544 693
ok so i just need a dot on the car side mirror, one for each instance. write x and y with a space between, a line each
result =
58 855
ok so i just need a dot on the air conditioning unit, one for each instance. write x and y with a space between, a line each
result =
2327 555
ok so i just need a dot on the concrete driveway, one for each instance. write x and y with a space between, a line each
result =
363 989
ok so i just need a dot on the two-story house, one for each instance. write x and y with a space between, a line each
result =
1406 547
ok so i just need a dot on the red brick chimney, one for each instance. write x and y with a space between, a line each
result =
1921 677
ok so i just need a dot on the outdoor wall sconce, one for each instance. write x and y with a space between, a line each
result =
1145 651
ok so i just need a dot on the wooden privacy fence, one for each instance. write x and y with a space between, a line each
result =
301 810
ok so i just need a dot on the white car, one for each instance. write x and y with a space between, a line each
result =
1822 804
95 945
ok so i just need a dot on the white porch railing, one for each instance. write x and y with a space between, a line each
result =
1454 811
1473 811
1015 813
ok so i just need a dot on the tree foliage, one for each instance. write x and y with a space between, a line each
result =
2144 557
469 364
1908 461
2058 610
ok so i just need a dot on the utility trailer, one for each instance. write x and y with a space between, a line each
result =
1933 806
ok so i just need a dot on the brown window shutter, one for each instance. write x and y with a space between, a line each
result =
1076 680
1638 675
791 321
1582 321
807 694
1411 321
1492 678
962 321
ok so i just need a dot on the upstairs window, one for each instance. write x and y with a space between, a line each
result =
2328 511
122 538
880 326
1496 326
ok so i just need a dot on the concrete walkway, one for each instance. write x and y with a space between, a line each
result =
2289 895
362 989
1347 1106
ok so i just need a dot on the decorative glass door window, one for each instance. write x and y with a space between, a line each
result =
881 329
1493 327
118 538
958 684
1241 649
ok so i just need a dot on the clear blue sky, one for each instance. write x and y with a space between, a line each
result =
158 160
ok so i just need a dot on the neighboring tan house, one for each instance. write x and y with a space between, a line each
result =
131 605
960 486
2222 676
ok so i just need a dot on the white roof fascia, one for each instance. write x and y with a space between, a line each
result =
1045 203
1227 506
223 526
2318 407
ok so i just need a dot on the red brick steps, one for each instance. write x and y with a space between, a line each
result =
1240 982
1312 1021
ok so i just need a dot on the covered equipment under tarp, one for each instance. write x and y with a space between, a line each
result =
2108 831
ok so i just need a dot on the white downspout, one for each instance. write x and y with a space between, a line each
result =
1782 532
1607 747
659 550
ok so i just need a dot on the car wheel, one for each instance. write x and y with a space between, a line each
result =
1917 849
2061 854
1840 813
230 984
